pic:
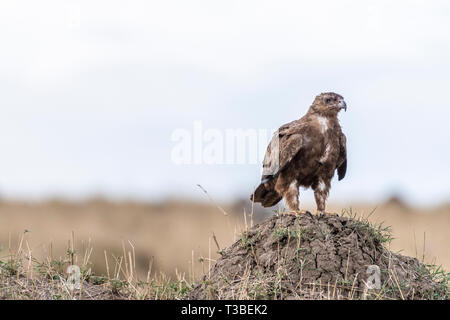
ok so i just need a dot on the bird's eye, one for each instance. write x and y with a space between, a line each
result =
326 100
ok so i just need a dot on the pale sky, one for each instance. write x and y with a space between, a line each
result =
91 92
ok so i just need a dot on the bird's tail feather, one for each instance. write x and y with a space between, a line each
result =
266 195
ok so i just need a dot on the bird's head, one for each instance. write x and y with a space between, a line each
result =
328 104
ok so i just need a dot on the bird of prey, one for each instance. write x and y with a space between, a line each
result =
305 152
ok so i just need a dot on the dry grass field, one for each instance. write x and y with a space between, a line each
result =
177 238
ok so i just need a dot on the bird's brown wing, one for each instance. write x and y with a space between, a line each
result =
342 162
284 146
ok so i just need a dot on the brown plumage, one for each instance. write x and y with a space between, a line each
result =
305 152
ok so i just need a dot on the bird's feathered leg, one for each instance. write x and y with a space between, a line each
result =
290 192
292 195
321 190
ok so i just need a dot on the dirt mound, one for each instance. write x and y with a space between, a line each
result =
307 257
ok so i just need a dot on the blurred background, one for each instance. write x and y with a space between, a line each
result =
93 95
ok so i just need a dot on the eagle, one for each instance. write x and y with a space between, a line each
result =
305 152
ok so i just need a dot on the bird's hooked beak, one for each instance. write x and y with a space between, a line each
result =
343 105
